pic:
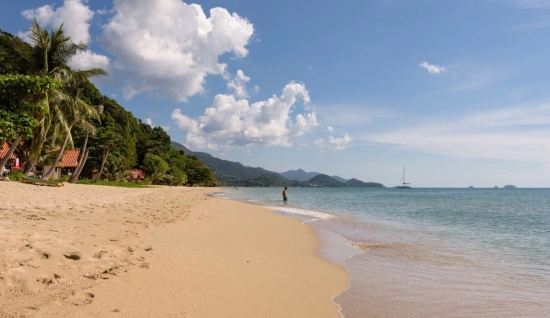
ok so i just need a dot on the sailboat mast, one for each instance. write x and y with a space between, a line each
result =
403 175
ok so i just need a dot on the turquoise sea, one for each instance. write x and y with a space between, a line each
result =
431 252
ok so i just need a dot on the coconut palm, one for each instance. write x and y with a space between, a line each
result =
49 54
75 112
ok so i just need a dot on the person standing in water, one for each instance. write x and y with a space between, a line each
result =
285 198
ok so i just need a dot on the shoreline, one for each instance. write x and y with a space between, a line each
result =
173 252
333 247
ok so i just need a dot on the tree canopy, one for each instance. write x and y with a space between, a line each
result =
47 105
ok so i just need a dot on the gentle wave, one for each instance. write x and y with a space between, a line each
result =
315 214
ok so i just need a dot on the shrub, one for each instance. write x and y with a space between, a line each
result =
111 183
16 176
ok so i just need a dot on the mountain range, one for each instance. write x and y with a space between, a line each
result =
233 173
301 175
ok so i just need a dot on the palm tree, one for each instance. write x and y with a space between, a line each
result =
49 54
83 156
75 112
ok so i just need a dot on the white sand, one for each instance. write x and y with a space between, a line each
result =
93 251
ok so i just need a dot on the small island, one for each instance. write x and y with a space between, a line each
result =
509 186
470 187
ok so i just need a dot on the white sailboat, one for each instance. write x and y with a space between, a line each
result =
405 185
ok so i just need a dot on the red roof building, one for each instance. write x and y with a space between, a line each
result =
137 174
67 164
13 164
4 148
70 158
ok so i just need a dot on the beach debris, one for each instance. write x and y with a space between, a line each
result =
75 256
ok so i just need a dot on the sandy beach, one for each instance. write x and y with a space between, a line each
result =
93 251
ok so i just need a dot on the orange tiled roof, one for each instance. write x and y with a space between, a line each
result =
137 173
4 148
70 158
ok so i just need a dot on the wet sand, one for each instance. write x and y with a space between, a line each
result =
93 251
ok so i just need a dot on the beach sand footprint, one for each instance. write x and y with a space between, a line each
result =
84 299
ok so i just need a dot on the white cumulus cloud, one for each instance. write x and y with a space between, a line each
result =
232 122
74 14
340 143
330 129
238 85
168 47
432 69
87 60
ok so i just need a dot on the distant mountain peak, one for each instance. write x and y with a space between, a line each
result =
235 173
298 175
339 179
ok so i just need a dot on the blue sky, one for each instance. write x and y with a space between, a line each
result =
457 91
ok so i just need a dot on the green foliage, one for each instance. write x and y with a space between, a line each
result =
15 124
152 140
26 88
35 105
111 183
21 98
198 173
116 170
10 61
130 142
179 177
155 165
16 176
64 178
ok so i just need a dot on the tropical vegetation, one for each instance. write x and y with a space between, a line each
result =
47 107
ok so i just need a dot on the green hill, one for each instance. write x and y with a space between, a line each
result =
298 175
236 174
354 183
233 173
322 180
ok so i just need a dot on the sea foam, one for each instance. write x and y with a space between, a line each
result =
312 213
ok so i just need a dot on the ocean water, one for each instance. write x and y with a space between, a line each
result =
432 252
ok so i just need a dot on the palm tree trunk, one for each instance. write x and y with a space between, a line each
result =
33 159
81 154
59 156
36 147
82 157
4 160
105 154
79 169
54 137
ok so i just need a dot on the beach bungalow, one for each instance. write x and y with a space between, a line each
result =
13 164
67 164
94 172
136 174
